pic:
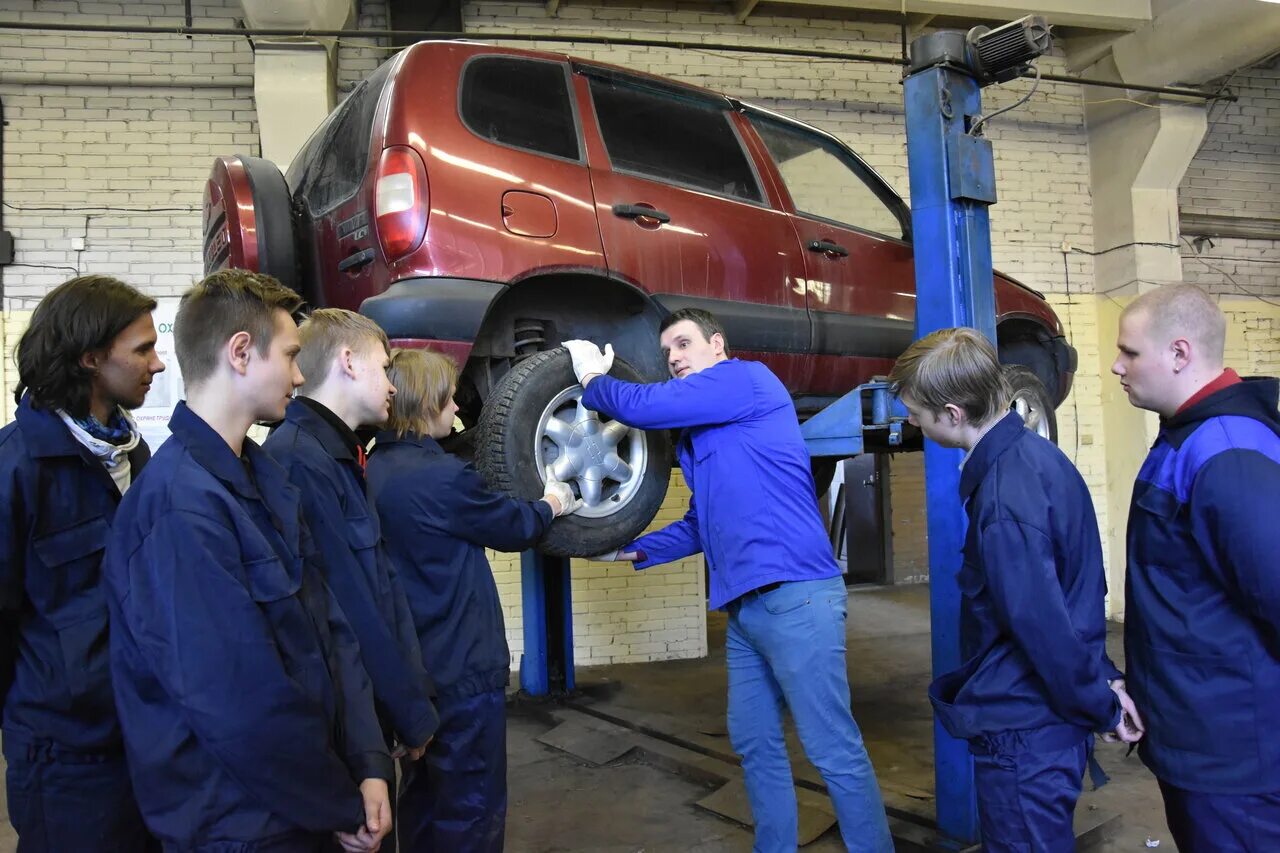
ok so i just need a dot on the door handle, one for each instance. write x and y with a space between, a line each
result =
828 248
635 211
359 259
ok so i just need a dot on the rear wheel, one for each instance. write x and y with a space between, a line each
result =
1031 400
534 418
248 220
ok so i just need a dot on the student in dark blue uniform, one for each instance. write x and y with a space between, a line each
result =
87 357
438 516
1036 682
1202 611
345 357
247 716
348 355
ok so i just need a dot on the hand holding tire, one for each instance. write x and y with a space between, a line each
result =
562 499
588 360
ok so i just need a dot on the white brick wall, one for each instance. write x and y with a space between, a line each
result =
1237 173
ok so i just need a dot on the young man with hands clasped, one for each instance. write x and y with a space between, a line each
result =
1036 682
248 719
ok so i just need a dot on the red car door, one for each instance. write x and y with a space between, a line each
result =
685 216
860 273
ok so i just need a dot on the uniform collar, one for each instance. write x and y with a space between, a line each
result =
998 439
1252 397
318 420
211 452
44 431
388 438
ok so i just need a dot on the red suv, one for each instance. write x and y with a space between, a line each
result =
492 202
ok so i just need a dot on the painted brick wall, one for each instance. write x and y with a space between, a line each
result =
1237 173
621 615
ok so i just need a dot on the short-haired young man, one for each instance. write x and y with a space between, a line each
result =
344 361
1202 611
247 716
1036 682
87 357
754 514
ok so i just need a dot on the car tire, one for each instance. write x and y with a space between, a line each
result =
263 243
516 437
1030 399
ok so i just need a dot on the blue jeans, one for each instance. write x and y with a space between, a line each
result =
786 649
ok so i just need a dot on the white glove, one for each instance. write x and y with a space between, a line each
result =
587 358
561 494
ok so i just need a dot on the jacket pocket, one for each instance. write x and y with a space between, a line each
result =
65 585
84 655
1203 704
269 580
362 532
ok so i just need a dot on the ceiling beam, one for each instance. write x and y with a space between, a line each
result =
1121 15
742 9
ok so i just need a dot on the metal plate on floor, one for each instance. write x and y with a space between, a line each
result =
596 741
730 801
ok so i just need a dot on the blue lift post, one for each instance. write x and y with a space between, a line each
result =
952 171
546 666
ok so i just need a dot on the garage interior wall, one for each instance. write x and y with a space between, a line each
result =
110 140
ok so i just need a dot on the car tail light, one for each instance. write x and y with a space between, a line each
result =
400 200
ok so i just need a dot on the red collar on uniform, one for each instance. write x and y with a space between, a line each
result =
1228 378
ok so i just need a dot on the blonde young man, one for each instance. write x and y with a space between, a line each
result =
248 720
1036 682
344 358
1202 613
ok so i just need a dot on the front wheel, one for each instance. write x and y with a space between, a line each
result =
1030 399
535 418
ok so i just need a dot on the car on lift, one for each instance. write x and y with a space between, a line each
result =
491 202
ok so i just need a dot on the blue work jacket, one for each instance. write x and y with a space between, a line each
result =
1032 625
348 536
57 503
752 511
1202 614
245 709
439 516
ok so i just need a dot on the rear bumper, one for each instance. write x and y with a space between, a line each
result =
1065 361
433 309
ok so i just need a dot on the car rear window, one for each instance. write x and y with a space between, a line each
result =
673 137
824 180
342 151
523 103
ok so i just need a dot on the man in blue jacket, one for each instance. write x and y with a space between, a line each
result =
345 358
247 716
88 356
1202 617
754 514
1036 682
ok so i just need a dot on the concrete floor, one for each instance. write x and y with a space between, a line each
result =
562 803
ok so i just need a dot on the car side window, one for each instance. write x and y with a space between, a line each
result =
672 137
523 103
824 181
341 156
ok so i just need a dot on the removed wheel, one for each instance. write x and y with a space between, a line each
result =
535 418
1030 399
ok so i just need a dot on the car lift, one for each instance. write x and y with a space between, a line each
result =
952 171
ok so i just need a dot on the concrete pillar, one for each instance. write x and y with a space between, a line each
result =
293 78
1137 157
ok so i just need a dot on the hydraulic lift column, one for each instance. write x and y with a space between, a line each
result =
952 182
